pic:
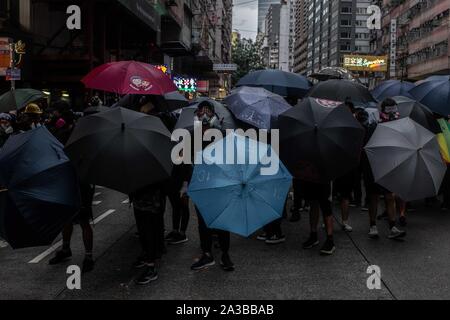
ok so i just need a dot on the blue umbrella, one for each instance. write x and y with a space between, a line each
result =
392 88
39 189
237 197
286 84
435 95
256 106
434 78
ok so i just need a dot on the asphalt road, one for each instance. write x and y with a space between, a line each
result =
418 268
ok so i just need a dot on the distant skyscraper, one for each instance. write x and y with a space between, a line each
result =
263 9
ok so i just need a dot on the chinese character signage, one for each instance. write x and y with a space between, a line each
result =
13 74
393 51
366 63
186 84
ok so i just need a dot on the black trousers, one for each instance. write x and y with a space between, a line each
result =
273 228
206 240
150 226
180 212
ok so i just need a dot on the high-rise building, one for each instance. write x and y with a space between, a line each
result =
272 31
301 37
263 9
423 35
336 28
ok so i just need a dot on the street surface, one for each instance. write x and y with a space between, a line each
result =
418 268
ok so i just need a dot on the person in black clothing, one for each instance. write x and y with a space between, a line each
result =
389 112
149 205
318 195
206 115
62 130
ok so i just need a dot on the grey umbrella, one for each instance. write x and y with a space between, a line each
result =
405 159
257 106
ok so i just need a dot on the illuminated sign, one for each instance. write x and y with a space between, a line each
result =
366 63
185 84
163 68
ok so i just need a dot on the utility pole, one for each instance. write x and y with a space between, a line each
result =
12 65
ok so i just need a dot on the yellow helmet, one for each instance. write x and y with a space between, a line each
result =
33 108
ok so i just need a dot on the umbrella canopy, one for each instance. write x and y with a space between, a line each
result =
129 77
392 88
93 110
121 149
40 189
186 118
340 90
405 159
320 140
18 99
418 112
238 198
285 84
434 78
257 106
170 101
333 73
435 95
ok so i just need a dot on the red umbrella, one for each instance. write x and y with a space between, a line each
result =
129 77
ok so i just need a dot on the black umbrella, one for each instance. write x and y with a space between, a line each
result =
333 73
417 112
93 110
320 140
39 189
186 119
340 90
170 101
285 84
121 149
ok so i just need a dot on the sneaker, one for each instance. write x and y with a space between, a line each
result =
373 232
346 227
295 217
365 207
311 242
396 233
402 221
328 248
276 239
204 262
171 236
178 239
262 237
355 204
149 275
140 262
226 263
88 265
60 257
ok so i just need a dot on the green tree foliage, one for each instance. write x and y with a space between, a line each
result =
248 56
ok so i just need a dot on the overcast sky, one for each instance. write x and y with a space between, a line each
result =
245 18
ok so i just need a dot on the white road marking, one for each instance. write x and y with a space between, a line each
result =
127 201
96 203
55 247
97 194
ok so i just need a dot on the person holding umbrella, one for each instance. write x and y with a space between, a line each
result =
206 115
389 112
6 128
149 205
